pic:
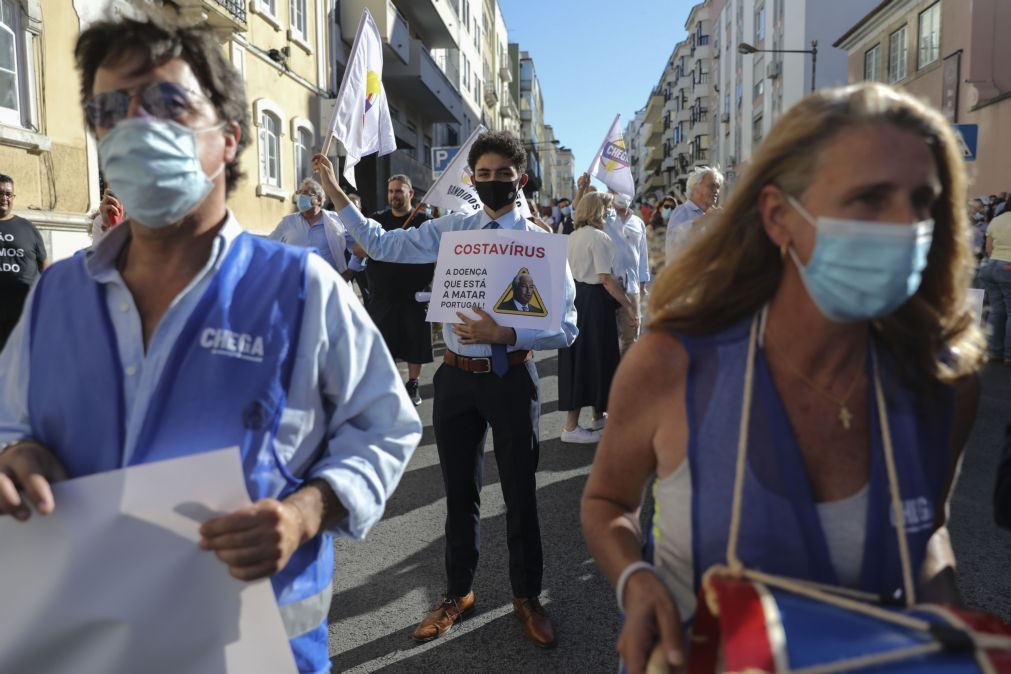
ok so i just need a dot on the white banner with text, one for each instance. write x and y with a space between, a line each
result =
517 277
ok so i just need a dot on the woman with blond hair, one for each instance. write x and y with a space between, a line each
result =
818 325
586 368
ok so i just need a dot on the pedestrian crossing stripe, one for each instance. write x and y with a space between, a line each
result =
505 304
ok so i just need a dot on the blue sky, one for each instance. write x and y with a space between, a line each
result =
594 59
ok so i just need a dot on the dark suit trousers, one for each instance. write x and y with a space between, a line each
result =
465 405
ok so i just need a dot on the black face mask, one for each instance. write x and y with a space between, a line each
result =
496 194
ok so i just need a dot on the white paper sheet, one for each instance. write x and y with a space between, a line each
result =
113 580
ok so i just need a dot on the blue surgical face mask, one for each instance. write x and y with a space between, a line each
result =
863 270
611 214
666 212
303 202
566 210
154 169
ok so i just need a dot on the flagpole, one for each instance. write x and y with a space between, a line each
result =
407 223
344 80
604 142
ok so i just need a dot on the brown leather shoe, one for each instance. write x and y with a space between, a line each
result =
535 621
446 613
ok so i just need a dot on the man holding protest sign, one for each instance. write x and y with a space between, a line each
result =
487 379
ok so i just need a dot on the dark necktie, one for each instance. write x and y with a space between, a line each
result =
499 353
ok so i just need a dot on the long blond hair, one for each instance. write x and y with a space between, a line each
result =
732 269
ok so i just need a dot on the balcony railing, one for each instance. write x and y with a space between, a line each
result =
237 8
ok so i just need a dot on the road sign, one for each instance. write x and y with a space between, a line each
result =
968 136
441 156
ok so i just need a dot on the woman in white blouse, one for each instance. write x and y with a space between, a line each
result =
585 369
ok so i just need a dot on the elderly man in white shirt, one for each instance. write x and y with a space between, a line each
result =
314 228
703 189
630 265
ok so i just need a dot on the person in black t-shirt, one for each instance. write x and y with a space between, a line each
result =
22 258
392 286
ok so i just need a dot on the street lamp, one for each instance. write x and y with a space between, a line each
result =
542 143
745 48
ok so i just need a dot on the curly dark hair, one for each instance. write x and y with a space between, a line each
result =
499 142
149 44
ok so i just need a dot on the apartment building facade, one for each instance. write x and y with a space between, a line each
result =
43 145
671 135
500 111
948 53
752 90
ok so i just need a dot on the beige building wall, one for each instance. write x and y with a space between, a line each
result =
975 59
289 90
53 159
45 150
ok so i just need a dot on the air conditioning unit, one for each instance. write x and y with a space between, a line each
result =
725 118
774 70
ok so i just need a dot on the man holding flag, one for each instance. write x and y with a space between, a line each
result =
487 379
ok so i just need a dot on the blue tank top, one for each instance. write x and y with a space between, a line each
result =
780 529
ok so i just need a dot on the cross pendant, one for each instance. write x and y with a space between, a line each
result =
845 417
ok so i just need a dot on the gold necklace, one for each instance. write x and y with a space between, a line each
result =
845 416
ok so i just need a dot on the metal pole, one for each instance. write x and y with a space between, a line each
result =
814 63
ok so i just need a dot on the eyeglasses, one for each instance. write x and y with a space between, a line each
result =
164 100
6 195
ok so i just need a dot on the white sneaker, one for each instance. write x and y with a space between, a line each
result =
581 436
598 424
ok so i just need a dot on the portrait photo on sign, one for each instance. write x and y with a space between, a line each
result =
521 297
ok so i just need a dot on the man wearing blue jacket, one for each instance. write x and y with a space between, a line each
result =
190 335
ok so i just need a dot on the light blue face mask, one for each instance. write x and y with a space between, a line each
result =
153 168
666 213
611 214
566 210
303 202
863 270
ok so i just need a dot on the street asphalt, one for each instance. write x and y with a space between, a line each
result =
385 584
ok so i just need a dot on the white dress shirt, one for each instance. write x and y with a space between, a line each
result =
347 419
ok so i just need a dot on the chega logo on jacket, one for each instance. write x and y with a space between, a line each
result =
918 514
222 342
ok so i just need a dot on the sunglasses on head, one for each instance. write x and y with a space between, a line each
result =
164 100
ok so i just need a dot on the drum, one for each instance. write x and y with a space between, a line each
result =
743 625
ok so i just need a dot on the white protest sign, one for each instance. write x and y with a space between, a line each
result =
114 581
516 276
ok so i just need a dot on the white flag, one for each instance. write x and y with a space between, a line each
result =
610 166
454 190
361 117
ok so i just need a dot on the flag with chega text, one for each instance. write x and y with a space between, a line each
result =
611 165
361 117
454 190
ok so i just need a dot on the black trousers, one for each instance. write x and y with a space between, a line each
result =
465 405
